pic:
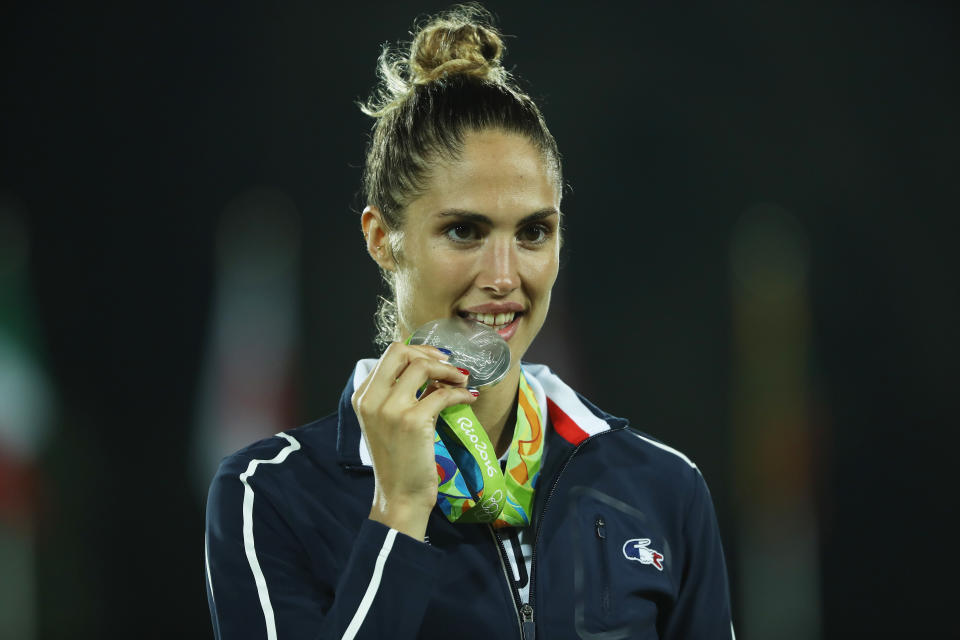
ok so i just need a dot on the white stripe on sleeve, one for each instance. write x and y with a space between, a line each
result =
660 445
372 588
206 562
248 542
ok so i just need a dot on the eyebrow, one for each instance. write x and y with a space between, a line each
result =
473 216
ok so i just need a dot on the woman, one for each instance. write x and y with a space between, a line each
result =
337 529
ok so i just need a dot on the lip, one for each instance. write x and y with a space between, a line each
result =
495 308
500 307
507 332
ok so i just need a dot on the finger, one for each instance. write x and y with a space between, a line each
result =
434 385
431 406
398 356
430 388
434 352
395 359
421 370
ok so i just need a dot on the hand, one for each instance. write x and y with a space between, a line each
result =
399 430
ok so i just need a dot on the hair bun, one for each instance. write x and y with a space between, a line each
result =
460 41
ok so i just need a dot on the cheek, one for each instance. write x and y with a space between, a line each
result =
542 273
418 266
442 270
431 277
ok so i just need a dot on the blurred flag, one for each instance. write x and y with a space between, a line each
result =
26 410
774 437
249 375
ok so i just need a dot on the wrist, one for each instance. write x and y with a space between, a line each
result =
409 518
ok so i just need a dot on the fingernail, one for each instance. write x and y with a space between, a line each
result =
444 351
463 371
474 392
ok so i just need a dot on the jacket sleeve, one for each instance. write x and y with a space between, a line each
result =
702 610
260 584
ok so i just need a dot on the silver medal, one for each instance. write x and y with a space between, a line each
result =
474 346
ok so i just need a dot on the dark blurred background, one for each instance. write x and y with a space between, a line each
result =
758 270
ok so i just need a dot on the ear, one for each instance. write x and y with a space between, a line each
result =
377 235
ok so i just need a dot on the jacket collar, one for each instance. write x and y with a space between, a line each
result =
569 415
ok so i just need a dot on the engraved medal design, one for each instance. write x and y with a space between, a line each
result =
474 346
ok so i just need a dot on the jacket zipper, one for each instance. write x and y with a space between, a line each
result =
529 607
504 564
601 529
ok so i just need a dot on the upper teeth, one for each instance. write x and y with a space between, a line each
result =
494 320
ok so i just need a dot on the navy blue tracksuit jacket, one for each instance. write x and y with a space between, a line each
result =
626 542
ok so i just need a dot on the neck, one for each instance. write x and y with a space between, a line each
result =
496 408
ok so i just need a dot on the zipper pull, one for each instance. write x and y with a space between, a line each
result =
601 528
529 630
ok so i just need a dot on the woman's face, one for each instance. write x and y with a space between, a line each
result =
483 241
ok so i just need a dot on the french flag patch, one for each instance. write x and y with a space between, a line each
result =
639 549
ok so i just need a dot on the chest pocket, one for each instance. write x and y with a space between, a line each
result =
621 563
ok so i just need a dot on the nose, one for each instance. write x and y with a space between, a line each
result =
499 274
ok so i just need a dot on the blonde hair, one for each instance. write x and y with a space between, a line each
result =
450 83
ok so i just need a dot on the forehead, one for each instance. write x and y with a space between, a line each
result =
496 173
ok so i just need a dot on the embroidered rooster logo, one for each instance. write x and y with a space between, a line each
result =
638 549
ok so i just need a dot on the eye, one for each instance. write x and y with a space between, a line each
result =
536 233
462 232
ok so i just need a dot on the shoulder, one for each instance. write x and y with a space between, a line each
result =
671 464
638 450
660 453
629 436
577 420
283 456
666 469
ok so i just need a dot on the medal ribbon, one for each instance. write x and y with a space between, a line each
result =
472 488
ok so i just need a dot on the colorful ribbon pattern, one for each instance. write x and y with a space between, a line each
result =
472 488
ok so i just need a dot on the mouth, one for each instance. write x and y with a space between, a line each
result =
503 323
